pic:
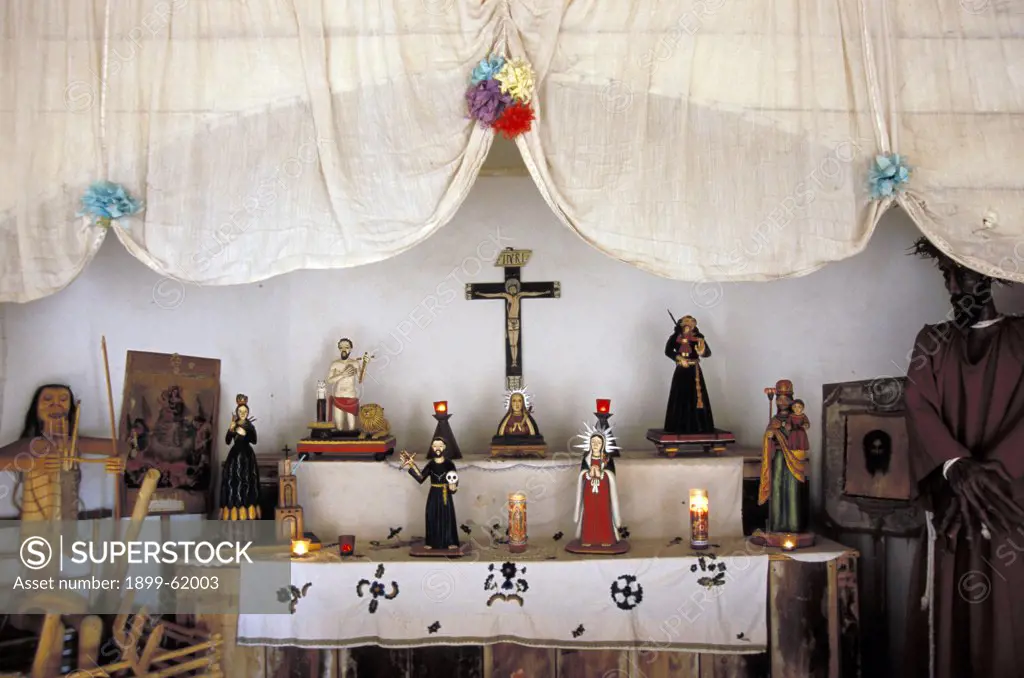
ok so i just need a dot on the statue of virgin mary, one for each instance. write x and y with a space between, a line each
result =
597 516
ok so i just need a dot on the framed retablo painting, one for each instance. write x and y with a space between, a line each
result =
169 418
877 456
866 458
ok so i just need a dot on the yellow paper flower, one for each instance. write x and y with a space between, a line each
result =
516 78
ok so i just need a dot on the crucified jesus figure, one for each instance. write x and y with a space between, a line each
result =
512 295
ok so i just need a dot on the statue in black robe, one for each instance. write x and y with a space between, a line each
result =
689 409
240 476
441 525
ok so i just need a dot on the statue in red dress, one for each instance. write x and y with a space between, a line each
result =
597 501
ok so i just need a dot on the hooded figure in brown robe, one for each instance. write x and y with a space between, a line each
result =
965 414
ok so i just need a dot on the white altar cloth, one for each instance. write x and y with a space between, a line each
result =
370 499
659 596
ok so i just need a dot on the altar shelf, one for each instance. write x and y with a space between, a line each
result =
373 500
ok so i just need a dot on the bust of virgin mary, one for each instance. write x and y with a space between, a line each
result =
518 422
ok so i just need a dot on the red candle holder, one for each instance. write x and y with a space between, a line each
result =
604 406
346 545
441 407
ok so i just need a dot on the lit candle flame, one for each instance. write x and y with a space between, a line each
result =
441 406
300 547
788 545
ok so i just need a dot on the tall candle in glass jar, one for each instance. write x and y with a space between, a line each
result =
517 522
699 523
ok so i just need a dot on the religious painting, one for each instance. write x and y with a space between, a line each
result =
169 419
877 456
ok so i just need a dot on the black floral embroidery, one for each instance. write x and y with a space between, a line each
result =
377 589
511 589
466 528
715 569
558 535
627 592
394 532
436 626
578 631
292 594
624 532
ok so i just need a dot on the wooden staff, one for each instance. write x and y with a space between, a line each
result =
113 431
69 452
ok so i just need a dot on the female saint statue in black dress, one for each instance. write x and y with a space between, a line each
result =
442 527
240 476
689 409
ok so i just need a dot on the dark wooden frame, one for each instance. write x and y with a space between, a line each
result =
845 512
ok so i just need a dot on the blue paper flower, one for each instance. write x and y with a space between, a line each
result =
887 175
105 201
487 68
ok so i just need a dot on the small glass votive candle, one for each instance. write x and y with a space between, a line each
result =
346 545
699 519
789 543
300 547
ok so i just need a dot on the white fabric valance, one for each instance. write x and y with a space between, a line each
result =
707 140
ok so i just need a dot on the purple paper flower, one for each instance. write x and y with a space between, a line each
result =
486 101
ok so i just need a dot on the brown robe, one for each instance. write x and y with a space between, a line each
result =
959 409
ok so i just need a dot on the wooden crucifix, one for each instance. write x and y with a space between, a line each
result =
512 292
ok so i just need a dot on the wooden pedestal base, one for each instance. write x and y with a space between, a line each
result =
671 444
787 541
618 548
421 551
516 451
347 448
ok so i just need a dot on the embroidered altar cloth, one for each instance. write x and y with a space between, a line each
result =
659 596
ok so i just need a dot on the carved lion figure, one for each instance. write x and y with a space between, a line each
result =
372 423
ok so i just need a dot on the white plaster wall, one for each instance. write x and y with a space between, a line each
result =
604 338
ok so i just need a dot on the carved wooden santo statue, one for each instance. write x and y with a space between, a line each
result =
49 452
442 527
784 466
597 516
689 423
518 434
346 373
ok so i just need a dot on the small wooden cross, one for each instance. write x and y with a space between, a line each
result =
512 292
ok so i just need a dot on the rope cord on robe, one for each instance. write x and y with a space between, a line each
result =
928 599
444 492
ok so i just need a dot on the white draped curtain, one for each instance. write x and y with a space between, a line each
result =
698 140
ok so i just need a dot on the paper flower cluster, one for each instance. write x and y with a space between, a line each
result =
106 201
500 93
888 175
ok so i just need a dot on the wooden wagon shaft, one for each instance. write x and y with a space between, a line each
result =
90 635
50 649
